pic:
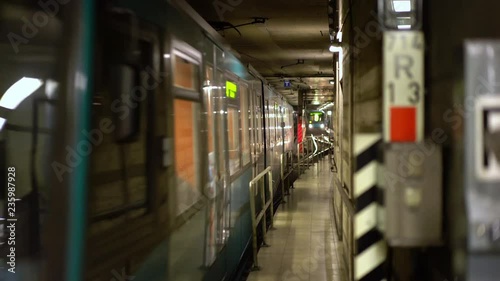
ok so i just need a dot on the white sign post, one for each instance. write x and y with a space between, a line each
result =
403 86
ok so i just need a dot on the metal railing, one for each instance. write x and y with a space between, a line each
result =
286 164
313 148
256 218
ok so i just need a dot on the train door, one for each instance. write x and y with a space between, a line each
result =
253 130
281 127
123 171
30 100
267 132
244 95
258 144
213 188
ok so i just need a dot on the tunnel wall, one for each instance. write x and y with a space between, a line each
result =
447 24
358 116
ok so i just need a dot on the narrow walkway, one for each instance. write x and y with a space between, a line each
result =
303 243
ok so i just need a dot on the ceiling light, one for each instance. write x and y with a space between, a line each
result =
404 26
402 6
19 92
332 81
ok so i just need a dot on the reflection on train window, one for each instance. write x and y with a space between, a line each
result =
185 73
29 89
277 123
234 141
209 112
267 117
272 128
186 145
209 107
245 133
219 118
211 227
258 119
115 195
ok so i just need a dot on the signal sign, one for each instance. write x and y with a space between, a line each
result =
403 86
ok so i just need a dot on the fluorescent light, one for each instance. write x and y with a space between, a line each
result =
2 122
335 49
402 6
404 26
19 92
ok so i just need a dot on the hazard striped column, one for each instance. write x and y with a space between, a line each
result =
370 250
300 132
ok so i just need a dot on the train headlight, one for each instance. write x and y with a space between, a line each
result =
322 126
310 126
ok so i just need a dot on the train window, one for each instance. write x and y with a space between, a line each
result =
29 90
186 147
185 72
244 119
233 125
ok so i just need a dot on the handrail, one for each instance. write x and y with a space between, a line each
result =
282 173
262 214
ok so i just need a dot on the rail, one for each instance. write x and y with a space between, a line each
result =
256 218
313 148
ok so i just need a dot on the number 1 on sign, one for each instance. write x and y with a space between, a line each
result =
392 97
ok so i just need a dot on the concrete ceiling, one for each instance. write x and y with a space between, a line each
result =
294 30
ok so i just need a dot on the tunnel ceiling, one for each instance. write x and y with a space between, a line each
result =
295 30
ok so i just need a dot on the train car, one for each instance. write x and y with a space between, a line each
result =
317 123
133 135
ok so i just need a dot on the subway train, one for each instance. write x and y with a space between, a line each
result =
317 123
130 132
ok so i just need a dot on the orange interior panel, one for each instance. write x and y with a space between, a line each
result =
185 165
184 74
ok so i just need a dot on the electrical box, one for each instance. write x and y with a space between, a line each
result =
482 158
413 196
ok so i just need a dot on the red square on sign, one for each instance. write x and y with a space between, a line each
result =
403 124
